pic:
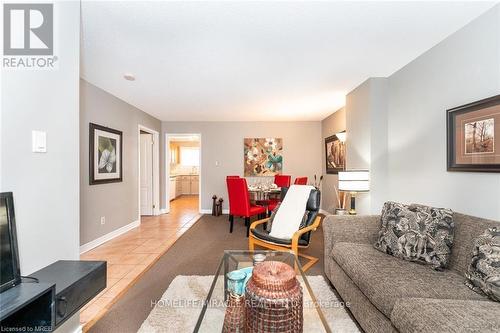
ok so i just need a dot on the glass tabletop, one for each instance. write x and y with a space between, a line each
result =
211 318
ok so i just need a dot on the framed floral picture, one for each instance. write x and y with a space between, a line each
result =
334 154
105 155
263 156
474 136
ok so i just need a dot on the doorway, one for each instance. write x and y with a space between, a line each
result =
146 176
148 173
183 166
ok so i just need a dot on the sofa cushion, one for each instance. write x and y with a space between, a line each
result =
416 233
384 279
466 229
443 315
484 270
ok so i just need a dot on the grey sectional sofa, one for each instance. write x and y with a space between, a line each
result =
387 294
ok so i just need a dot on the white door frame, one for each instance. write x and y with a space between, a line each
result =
167 168
156 170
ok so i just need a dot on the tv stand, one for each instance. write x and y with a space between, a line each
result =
28 305
63 288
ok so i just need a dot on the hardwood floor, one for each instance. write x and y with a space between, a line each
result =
133 253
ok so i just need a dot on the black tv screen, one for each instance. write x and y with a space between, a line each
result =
9 258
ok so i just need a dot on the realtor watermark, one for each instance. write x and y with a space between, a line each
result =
217 303
28 36
17 329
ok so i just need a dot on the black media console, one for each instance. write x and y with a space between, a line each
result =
62 289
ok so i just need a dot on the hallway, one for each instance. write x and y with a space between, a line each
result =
131 254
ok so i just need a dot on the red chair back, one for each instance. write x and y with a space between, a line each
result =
239 203
282 180
300 181
229 177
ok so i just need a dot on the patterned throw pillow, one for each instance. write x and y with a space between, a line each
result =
483 273
417 233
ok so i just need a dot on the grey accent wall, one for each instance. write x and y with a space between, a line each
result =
45 185
332 124
366 123
463 68
118 202
223 142
396 127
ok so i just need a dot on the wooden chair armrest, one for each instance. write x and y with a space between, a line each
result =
256 223
300 232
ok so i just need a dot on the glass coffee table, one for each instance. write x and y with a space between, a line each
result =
211 318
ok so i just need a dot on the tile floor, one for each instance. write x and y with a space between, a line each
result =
132 253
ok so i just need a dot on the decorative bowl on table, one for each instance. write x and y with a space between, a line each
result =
274 299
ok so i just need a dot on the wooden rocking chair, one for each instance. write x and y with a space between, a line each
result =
301 238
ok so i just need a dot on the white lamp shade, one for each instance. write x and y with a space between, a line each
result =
354 181
341 136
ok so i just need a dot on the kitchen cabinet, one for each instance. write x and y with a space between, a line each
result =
195 184
178 187
184 185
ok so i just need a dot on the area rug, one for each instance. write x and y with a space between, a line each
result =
179 307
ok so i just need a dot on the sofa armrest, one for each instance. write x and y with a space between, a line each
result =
351 229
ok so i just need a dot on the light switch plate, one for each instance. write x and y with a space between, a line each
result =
39 141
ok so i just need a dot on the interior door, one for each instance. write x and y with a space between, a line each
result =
146 164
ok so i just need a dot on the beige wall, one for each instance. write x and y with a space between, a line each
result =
222 142
118 202
332 124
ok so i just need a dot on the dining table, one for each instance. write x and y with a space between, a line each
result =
262 195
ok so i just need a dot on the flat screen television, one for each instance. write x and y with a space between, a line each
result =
10 274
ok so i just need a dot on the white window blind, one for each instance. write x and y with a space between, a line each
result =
190 156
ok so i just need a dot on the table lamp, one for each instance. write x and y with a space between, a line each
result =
354 181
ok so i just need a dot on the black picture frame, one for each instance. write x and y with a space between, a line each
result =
329 169
92 176
451 130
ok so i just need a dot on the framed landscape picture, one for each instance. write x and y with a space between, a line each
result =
474 136
105 155
263 156
335 154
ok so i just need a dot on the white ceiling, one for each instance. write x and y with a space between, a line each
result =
198 61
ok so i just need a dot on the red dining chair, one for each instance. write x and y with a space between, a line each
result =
239 202
282 180
300 181
229 177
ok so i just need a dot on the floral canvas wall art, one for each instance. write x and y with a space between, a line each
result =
105 152
263 156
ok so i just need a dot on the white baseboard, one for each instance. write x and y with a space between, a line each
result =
163 211
79 329
109 236
209 211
